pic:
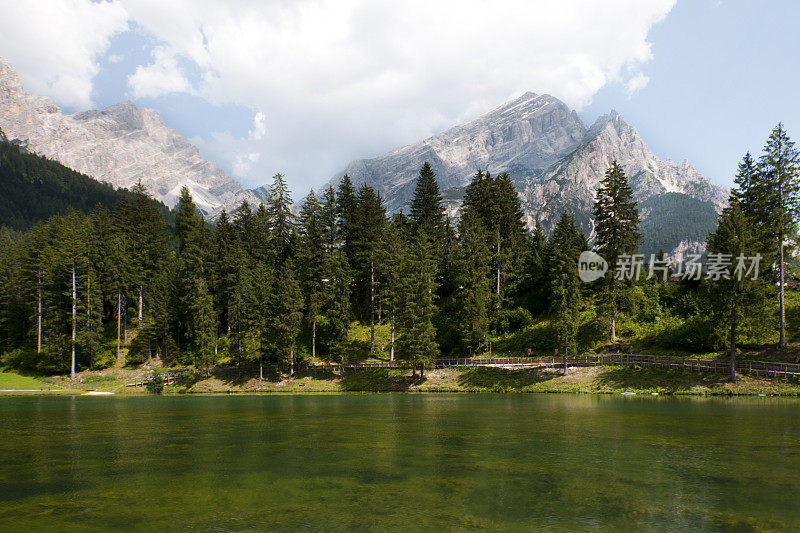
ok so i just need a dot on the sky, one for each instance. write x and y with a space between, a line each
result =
302 87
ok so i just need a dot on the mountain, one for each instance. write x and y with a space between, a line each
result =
531 132
555 161
36 188
121 145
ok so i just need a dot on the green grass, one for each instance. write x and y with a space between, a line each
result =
9 381
15 384
597 380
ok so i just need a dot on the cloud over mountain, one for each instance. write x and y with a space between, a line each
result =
338 79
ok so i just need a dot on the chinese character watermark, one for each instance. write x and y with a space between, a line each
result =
592 266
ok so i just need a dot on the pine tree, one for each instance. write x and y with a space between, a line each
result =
496 204
202 325
347 205
747 188
336 296
312 260
736 236
564 247
282 222
366 230
531 290
779 168
336 307
287 314
146 234
427 212
329 220
617 233
228 256
417 342
389 272
474 294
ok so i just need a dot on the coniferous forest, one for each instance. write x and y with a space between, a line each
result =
122 281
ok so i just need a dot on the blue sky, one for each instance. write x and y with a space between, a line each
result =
302 87
723 75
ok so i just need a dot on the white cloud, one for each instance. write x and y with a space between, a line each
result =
55 45
162 76
331 80
347 78
259 127
636 83
114 58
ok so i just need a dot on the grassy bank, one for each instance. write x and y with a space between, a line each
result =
593 380
597 380
11 383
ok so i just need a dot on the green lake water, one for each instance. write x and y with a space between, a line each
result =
400 462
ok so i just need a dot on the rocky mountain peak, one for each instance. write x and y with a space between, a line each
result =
10 84
120 145
530 131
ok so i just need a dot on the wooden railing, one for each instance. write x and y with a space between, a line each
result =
753 368
168 378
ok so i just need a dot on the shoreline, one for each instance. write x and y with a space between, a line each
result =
606 380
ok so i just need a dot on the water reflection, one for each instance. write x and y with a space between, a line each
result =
399 461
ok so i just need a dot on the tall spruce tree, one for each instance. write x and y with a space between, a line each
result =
282 221
736 237
616 221
202 325
494 200
779 168
347 205
473 295
312 262
564 247
390 274
417 342
427 212
366 229
287 315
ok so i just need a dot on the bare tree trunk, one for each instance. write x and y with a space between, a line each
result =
39 316
88 298
74 320
125 318
314 337
291 360
260 367
782 338
391 350
733 333
119 325
614 327
497 288
372 306
141 303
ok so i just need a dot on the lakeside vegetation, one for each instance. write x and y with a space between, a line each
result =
342 281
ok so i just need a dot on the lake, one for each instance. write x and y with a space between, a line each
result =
399 461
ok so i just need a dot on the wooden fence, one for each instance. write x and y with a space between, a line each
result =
168 378
753 368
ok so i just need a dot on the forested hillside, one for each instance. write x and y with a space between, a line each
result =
117 286
672 218
35 188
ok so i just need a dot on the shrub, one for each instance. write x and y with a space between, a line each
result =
514 320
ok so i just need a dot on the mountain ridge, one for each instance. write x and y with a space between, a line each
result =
559 169
120 144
